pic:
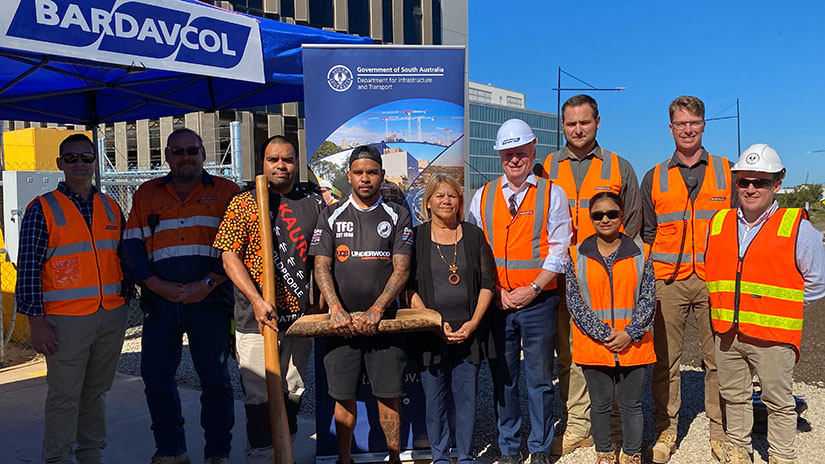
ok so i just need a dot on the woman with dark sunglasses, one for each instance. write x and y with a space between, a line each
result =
610 295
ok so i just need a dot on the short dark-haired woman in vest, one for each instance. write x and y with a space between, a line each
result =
610 295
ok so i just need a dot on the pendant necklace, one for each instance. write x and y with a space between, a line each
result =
453 278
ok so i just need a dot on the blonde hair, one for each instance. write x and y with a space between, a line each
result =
688 103
432 186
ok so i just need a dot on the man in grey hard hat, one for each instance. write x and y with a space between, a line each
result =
756 315
527 222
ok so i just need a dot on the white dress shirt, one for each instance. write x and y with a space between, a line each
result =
559 224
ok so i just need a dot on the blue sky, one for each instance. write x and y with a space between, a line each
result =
770 55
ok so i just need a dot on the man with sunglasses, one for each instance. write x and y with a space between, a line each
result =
679 196
527 222
757 315
70 286
583 168
168 243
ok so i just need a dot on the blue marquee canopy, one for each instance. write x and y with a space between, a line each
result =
150 37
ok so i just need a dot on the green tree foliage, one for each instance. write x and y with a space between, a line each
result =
326 148
810 193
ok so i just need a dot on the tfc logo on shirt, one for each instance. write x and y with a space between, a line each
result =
344 229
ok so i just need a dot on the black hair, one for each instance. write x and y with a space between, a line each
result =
609 195
279 139
75 138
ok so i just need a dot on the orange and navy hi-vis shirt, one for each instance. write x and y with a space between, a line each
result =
82 270
172 238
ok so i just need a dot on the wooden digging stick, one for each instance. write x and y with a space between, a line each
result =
282 445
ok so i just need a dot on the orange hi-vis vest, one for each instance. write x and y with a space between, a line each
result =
519 243
603 175
613 298
82 270
760 294
676 215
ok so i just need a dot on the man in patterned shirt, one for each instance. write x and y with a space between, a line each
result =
362 249
294 210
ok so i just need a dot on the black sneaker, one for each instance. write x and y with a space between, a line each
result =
539 458
510 459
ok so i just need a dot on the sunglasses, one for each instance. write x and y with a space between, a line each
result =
599 215
179 151
72 158
757 183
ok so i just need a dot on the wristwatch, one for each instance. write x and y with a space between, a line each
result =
536 288
210 282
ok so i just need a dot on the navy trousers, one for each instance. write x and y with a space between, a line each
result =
207 326
531 330
438 381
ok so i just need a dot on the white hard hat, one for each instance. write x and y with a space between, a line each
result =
513 133
759 157
325 184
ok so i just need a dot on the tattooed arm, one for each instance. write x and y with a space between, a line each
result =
341 320
368 320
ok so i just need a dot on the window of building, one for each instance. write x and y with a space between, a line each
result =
253 7
109 146
386 19
514 101
412 22
436 22
131 145
155 155
358 14
321 13
288 8
481 96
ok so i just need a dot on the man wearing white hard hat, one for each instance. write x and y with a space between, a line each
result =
527 222
327 192
757 315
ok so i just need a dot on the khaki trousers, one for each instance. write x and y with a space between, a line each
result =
774 364
79 374
674 302
575 400
294 358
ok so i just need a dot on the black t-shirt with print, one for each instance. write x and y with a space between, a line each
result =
361 244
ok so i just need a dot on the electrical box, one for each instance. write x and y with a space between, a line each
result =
19 189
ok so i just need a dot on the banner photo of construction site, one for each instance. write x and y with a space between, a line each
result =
407 101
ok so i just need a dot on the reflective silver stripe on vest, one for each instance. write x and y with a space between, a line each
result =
666 257
719 172
70 249
192 221
640 266
581 277
111 289
71 294
110 214
78 293
704 213
554 166
57 211
111 244
519 264
607 164
185 250
699 257
663 184
539 217
571 202
670 217
584 203
618 313
489 203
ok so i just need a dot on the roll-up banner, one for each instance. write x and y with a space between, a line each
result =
408 102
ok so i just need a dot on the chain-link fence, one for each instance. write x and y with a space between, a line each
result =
15 343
